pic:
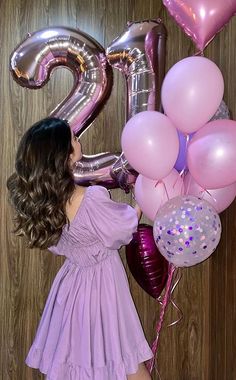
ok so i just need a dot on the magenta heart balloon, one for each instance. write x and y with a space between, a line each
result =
201 19
147 265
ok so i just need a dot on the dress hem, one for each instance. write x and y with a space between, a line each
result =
112 370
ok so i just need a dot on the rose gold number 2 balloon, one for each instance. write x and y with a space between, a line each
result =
32 63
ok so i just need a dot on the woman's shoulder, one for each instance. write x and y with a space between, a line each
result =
74 203
82 195
100 190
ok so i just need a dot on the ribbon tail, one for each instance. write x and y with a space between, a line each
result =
165 302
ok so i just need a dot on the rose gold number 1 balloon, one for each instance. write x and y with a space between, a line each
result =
139 53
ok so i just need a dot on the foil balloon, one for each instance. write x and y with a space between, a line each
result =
33 60
201 20
32 64
139 53
187 230
95 169
146 264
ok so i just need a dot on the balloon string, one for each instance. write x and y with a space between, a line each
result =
184 171
180 314
172 301
209 193
165 190
202 192
179 311
175 306
181 174
199 52
165 301
188 187
158 373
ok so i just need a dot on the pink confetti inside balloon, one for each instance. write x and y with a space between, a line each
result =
187 230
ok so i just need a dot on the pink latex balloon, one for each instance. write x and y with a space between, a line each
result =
220 199
211 155
150 143
192 92
201 20
151 195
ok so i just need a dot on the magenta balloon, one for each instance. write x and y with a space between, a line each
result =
150 144
211 154
201 20
151 195
220 199
192 92
147 265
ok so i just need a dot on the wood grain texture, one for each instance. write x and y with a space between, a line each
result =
203 345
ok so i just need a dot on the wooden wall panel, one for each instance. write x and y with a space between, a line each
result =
203 345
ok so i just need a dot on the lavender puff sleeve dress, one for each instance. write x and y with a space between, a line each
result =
90 329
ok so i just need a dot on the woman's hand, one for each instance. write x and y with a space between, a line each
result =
138 210
136 207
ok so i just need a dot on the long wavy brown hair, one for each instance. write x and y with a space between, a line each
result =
42 182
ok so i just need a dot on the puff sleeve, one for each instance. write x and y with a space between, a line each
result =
113 223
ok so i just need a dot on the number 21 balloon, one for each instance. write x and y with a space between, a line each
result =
33 61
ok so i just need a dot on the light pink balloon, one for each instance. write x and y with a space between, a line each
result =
151 195
220 199
192 92
201 20
211 154
150 143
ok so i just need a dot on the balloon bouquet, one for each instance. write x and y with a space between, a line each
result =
186 158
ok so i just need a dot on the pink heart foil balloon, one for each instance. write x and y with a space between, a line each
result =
147 265
201 19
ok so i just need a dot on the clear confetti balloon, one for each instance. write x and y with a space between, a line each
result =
222 112
187 230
